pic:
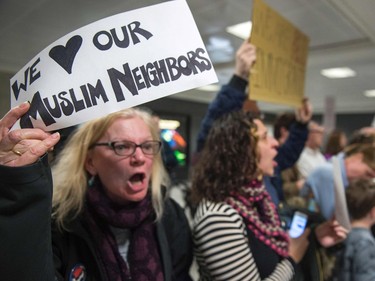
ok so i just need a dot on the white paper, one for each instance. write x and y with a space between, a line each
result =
115 63
341 208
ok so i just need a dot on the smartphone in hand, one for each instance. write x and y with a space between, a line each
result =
298 225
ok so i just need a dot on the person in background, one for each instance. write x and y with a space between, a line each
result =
233 96
291 179
367 131
363 135
110 220
356 162
336 142
311 156
237 231
356 261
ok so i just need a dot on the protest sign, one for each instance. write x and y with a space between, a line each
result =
278 75
115 63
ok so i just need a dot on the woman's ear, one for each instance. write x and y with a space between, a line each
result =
89 165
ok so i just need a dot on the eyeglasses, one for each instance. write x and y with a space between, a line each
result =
127 148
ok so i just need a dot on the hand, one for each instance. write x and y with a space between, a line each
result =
304 113
299 245
300 183
245 58
330 233
23 146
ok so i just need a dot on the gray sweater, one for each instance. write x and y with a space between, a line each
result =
357 260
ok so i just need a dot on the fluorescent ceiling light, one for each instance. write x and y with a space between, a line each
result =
165 124
218 43
370 93
340 72
210 88
241 30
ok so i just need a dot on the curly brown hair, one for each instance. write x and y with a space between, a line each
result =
229 159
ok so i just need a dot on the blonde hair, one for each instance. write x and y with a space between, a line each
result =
70 176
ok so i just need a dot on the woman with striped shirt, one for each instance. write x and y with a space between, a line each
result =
237 231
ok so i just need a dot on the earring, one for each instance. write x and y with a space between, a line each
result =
91 181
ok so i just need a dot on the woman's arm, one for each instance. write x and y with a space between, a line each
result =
25 226
232 96
25 201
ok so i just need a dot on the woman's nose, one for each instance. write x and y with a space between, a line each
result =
138 154
274 142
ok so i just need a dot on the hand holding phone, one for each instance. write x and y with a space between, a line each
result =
298 225
298 246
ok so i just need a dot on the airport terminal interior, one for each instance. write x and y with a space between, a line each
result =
341 34
320 50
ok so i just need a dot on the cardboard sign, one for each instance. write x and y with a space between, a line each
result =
278 75
115 63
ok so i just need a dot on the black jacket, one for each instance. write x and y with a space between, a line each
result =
31 251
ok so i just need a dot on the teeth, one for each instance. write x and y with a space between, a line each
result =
136 179
136 182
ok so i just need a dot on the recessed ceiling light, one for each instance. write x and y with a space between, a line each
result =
241 30
210 88
340 72
370 93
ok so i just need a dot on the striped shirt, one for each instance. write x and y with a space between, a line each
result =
222 248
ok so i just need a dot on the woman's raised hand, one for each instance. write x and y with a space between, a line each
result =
22 147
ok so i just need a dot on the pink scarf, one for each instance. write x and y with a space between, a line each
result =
260 216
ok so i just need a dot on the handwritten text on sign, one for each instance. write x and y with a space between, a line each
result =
115 63
279 72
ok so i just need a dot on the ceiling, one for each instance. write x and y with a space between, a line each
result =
342 33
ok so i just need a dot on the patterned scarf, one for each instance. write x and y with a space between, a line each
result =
260 216
143 255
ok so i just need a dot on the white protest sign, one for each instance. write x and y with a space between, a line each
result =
341 207
115 63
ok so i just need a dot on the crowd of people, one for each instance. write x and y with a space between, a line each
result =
103 211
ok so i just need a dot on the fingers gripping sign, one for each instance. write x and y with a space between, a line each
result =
22 146
245 59
304 112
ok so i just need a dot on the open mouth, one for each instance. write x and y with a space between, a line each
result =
137 178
